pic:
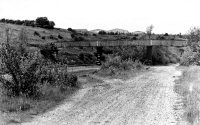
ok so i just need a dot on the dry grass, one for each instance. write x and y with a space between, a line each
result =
24 108
188 86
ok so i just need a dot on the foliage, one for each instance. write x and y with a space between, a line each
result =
49 51
82 58
102 32
23 79
160 55
86 58
71 30
78 38
149 30
130 52
60 37
43 37
57 75
29 72
191 54
52 37
37 34
194 35
190 57
163 55
115 64
42 22
166 34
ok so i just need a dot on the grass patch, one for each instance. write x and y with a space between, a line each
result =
25 108
189 88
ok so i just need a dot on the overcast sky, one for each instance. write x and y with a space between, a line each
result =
171 16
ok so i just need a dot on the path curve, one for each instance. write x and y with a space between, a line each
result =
147 99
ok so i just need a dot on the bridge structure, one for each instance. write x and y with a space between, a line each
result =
148 43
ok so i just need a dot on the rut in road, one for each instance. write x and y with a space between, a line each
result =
146 99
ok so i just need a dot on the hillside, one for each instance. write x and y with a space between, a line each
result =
117 30
36 34
74 55
95 30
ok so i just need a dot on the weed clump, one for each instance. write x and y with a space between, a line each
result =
190 57
114 65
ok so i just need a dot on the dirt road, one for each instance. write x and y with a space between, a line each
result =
148 99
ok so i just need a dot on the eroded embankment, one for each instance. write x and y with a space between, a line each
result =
188 87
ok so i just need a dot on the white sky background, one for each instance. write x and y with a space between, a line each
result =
171 16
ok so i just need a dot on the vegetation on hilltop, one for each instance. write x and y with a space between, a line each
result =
42 22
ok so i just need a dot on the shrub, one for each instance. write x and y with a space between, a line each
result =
86 58
115 64
133 52
57 75
78 38
191 54
49 51
36 34
60 37
102 32
86 34
23 78
3 20
166 34
163 56
112 62
190 58
51 25
43 37
71 30
30 72
134 38
72 35
52 37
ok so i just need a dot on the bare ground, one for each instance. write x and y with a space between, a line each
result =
146 99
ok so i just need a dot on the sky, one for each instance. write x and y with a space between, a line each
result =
167 16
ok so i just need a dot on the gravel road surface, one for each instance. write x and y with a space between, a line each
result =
148 99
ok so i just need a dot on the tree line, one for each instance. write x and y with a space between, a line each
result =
42 22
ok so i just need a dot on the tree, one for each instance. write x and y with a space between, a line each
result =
41 21
44 23
3 20
102 32
194 34
51 24
194 38
166 34
21 69
149 30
